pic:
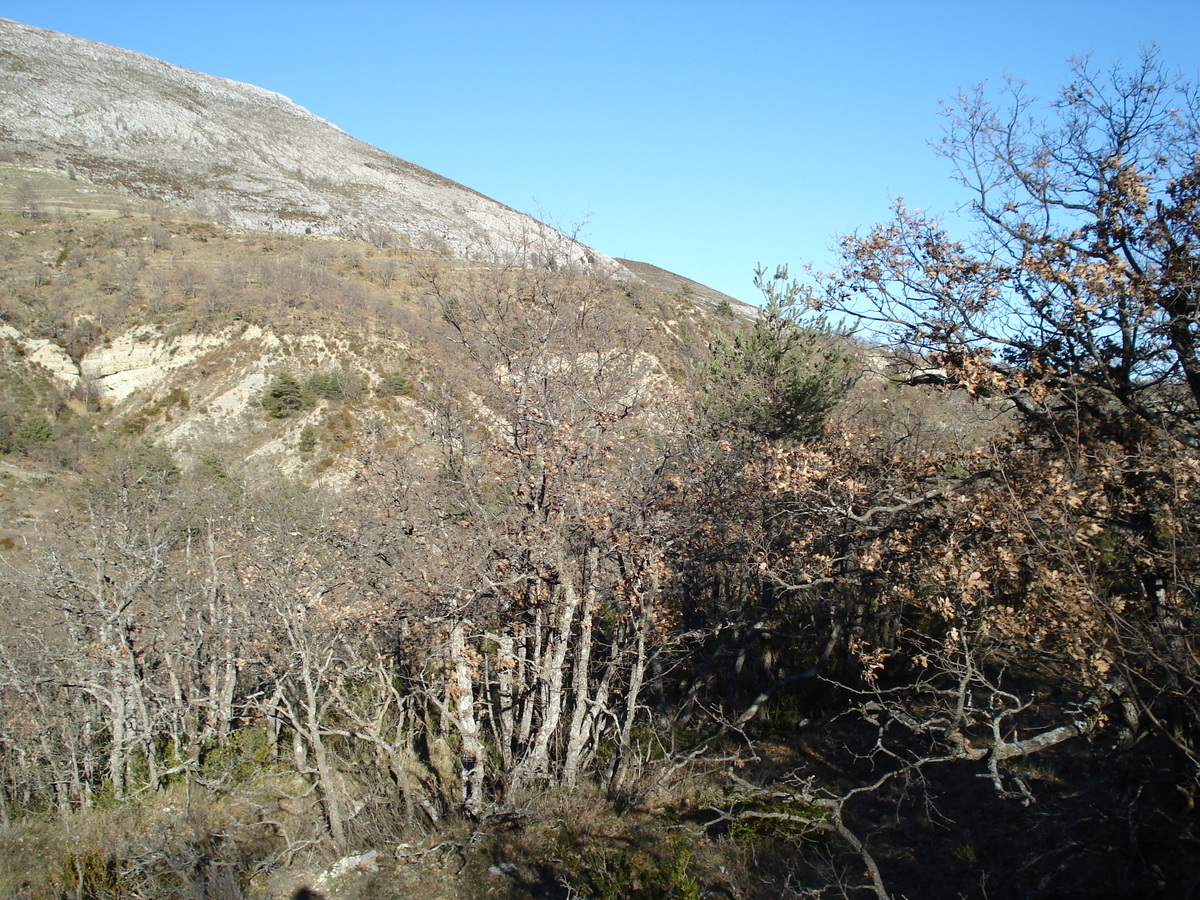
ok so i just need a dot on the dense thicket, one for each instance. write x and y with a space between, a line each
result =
816 601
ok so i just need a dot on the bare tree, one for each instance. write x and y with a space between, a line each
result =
542 555
28 200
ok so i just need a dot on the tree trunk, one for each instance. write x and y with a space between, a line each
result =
577 733
472 753
552 677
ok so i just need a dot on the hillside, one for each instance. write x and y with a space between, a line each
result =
235 153
174 235
361 538
147 320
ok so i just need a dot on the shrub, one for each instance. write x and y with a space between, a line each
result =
34 431
395 384
284 396
336 384
7 429
93 874
640 864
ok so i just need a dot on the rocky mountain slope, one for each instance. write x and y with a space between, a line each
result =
171 244
130 323
237 153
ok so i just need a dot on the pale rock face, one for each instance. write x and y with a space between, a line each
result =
241 154
234 401
46 354
138 360
142 360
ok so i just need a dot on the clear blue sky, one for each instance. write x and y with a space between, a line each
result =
703 137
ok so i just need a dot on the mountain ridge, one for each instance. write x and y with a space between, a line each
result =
238 153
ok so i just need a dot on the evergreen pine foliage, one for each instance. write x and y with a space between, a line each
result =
34 431
284 396
335 384
779 378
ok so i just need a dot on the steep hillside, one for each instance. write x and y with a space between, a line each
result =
690 290
173 243
475 564
125 318
235 153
